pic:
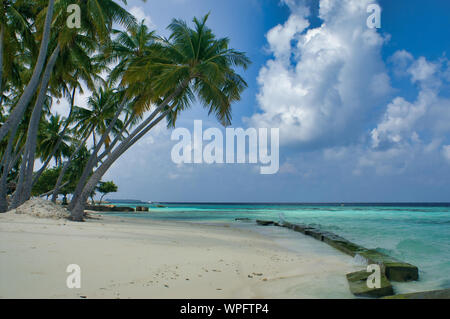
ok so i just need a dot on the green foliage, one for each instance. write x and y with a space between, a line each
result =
106 188
75 170
147 71
46 181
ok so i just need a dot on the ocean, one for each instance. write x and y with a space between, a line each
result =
415 233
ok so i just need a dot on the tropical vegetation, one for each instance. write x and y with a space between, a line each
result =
134 77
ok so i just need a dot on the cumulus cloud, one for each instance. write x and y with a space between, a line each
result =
405 122
327 88
140 15
322 82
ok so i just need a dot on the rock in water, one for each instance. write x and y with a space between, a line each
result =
357 282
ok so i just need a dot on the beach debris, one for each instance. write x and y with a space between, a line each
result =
41 208
357 282
433 294
243 219
257 274
250 276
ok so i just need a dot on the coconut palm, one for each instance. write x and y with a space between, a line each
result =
191 63
12 122
49 135
15 37
97 118
97 19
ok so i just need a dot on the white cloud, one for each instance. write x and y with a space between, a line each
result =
403 120
321 82
446 152
140 15
399 120
401 60
422 70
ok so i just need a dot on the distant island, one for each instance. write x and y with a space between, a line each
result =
128 201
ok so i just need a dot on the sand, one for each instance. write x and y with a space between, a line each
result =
134 258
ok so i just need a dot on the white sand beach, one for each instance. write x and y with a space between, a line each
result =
136 258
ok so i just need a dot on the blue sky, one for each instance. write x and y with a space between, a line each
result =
364 114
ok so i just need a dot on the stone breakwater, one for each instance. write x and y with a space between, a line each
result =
392 269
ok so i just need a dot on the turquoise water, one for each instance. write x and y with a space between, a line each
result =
416 234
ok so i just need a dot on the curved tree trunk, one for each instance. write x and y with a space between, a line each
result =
66 164
78 208
15 116
78 203
7 164
6 161
93 159
58 143
23 190
2 34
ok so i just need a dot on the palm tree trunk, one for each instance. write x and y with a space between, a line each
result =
17 113
7 164
23 190
6 161
64 169
93 159
78 203
58 143
78 208
2 33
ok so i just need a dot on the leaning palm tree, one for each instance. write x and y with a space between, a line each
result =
11 124
97 19
191 63
135 42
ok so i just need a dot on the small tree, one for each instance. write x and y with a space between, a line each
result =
106 188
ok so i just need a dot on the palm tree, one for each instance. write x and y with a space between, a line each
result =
49 135
136 41
15 36
97 118
74 65
12 122
98 17
191 63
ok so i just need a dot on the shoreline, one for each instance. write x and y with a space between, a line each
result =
125 257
